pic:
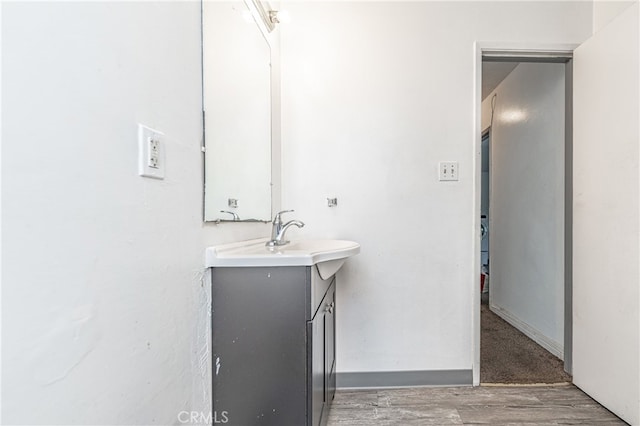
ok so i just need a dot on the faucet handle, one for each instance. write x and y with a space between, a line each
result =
277 217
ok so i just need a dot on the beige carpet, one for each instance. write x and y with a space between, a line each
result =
508 356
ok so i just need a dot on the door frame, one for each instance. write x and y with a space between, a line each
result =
520 52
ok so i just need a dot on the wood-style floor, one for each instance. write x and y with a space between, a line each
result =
484 405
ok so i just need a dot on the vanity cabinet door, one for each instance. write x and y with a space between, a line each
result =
322 355
317 393
330 343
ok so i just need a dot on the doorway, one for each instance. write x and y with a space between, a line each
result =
525 202
604 72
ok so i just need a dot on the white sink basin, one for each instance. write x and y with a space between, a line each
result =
328 255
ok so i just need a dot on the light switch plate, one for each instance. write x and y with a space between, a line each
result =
151 152
448 170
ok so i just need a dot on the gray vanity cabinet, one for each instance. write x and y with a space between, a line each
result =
273 345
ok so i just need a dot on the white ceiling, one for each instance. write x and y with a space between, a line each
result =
493 73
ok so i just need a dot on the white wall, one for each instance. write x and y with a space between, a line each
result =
605 11
104 303
527 201
374 95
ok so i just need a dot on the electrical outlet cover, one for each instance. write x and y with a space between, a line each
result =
151 157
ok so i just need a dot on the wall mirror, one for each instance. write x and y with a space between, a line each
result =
237 107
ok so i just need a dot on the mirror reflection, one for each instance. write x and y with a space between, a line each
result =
237 105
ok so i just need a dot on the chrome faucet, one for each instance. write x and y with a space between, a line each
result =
235 215
278 229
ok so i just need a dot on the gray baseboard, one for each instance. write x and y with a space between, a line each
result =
395 379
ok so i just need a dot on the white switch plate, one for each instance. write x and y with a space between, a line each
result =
448 170
151 156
